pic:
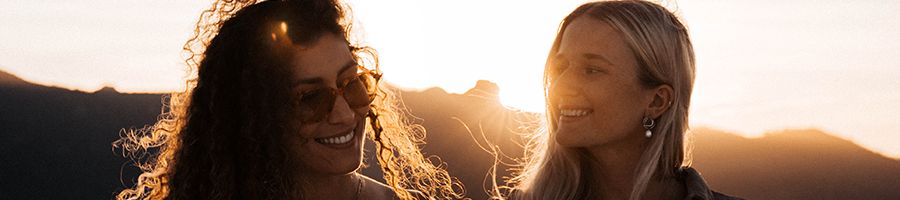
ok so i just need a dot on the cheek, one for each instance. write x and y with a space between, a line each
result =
615 108
307 130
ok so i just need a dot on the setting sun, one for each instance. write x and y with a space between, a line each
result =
452 50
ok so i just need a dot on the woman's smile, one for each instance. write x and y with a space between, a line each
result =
343 141
336 140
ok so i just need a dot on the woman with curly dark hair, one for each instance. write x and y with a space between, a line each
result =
280 107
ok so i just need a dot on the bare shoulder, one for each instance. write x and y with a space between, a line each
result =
372 189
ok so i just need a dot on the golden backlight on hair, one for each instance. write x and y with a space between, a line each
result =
282 33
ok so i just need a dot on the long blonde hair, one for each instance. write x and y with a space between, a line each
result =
665 56
192 151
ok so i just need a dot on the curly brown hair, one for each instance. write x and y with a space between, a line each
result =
222 137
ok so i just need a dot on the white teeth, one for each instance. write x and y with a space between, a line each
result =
574 112
337 140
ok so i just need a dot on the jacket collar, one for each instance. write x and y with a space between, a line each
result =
695 185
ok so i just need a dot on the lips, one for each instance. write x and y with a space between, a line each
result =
338 140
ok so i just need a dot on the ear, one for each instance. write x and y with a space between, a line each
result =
661 102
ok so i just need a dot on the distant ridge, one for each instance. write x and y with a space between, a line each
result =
8 79
485 90
51 135
107 90
794 164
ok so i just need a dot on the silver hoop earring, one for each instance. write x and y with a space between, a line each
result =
648 123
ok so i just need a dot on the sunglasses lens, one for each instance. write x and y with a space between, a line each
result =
356 93
315 104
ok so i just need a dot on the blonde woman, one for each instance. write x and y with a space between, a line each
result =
280 108
618 83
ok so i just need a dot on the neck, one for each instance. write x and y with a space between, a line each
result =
613 170
344 186
613 166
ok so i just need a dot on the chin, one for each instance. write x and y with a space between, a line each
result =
343 166
348 169
346 162
582 139
352 165
566 139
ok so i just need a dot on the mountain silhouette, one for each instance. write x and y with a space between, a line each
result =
56 144
794 164
9 79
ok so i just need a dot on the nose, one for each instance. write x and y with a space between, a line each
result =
563 85
341 113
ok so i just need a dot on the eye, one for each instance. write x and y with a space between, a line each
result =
558 67
592 70
312 95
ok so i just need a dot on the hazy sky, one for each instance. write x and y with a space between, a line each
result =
762 65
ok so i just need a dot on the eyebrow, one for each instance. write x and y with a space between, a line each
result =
315 80
591 56
588 56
